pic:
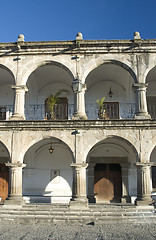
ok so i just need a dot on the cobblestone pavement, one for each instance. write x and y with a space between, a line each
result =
40 231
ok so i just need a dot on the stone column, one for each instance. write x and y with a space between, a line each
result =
90 171
125 191
79 197
141 102
15 193
79 100
19 102
144 183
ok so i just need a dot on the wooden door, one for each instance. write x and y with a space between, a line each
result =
60 109
107 182
4 180
112 110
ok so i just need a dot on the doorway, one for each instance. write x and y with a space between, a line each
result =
4 182
107 183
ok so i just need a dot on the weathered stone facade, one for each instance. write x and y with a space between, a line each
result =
84 146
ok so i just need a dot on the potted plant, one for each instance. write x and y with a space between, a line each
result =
52 100
101 109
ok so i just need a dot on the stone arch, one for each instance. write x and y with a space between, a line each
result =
100 61
32 142
34 66
5 155
151 66
3 66
121 139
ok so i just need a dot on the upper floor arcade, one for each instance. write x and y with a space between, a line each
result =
74 75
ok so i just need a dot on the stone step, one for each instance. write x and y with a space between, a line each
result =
99 215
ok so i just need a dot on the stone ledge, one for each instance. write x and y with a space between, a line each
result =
78 124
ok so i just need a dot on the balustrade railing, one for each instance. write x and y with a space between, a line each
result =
37 111
152 110
126 111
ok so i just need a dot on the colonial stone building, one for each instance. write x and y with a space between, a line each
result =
77 152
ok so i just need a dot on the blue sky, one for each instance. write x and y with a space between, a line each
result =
49 20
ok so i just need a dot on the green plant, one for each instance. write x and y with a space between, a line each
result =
52 100
101 111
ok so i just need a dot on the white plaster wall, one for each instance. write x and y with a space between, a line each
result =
37 176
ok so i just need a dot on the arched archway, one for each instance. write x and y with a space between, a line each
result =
4 172
47 176
112 175
113 80
151 95
6 93
47 79
153 172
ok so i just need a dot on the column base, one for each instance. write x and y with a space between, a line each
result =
142 116
78 203
78 116
144 201
17 117
91 199
14 200
125 199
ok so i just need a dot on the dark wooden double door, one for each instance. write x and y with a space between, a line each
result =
4 181
107 183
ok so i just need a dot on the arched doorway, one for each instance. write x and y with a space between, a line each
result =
4 172
153 173
47 176
112 175
107 182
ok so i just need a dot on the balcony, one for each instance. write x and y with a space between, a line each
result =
38 111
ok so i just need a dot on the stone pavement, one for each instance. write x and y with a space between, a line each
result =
11 231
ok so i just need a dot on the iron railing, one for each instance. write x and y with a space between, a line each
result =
37 111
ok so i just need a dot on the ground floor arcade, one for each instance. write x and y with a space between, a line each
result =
95 165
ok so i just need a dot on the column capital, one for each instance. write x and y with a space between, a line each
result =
144 164
16 165
19 87
79 165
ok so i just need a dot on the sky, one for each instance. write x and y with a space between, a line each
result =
50 20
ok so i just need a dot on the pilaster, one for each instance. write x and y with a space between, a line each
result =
90 171
125 189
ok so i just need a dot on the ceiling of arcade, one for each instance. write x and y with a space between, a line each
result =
47 80
6 93
151 80
110 75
